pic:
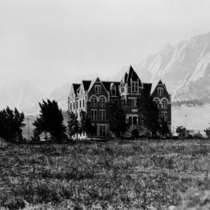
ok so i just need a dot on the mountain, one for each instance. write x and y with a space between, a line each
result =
21 94
184 68
60 94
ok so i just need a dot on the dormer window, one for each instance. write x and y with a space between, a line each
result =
134 87
97 89
160 91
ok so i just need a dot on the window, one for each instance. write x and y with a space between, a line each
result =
97 89
102 102
133 102
80 104
160 91
101 115
164 115
102 130
122 90
74 105
113 91
83 102
157 102
164 104
134 87
94 102
93 114
130 120
135 120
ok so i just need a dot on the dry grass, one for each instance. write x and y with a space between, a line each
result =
113 175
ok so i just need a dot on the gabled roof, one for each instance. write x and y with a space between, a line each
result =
131 75
161 83
86 84
107 84
124 79
93 82
75 86
147 87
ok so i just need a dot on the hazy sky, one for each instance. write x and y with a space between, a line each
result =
54 41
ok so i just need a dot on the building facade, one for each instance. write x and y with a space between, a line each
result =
94 97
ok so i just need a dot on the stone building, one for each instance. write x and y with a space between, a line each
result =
94 98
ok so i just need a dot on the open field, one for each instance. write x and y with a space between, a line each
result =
113 175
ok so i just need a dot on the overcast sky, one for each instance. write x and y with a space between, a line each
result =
54 41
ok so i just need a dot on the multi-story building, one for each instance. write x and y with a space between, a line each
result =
94 97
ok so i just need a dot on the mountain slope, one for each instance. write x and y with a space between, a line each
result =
21 95
185 68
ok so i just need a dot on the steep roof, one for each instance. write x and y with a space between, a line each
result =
107 84
147 87
124 79
131 75
75 86
161 83
86 84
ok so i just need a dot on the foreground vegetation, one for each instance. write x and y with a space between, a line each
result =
112 175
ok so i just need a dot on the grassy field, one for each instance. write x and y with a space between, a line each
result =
113 175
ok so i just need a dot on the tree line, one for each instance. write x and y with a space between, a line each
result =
51 121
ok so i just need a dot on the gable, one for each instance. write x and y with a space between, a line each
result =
97 88
160 91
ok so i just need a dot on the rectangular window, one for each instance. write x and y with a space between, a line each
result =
74 105
83 102
133 102
135 120
130 120
80 105
102 130
101 115
94 114
134 87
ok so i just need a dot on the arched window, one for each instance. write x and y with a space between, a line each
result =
93 101
164 104
97 89
160 91
102 102
157 101
113 91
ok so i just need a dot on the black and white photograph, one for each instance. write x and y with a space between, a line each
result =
104 104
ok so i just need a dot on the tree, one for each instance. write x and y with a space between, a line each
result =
86 125
148 113
73 126
164 129
182 131
207 131
50 121
117 123
11 124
